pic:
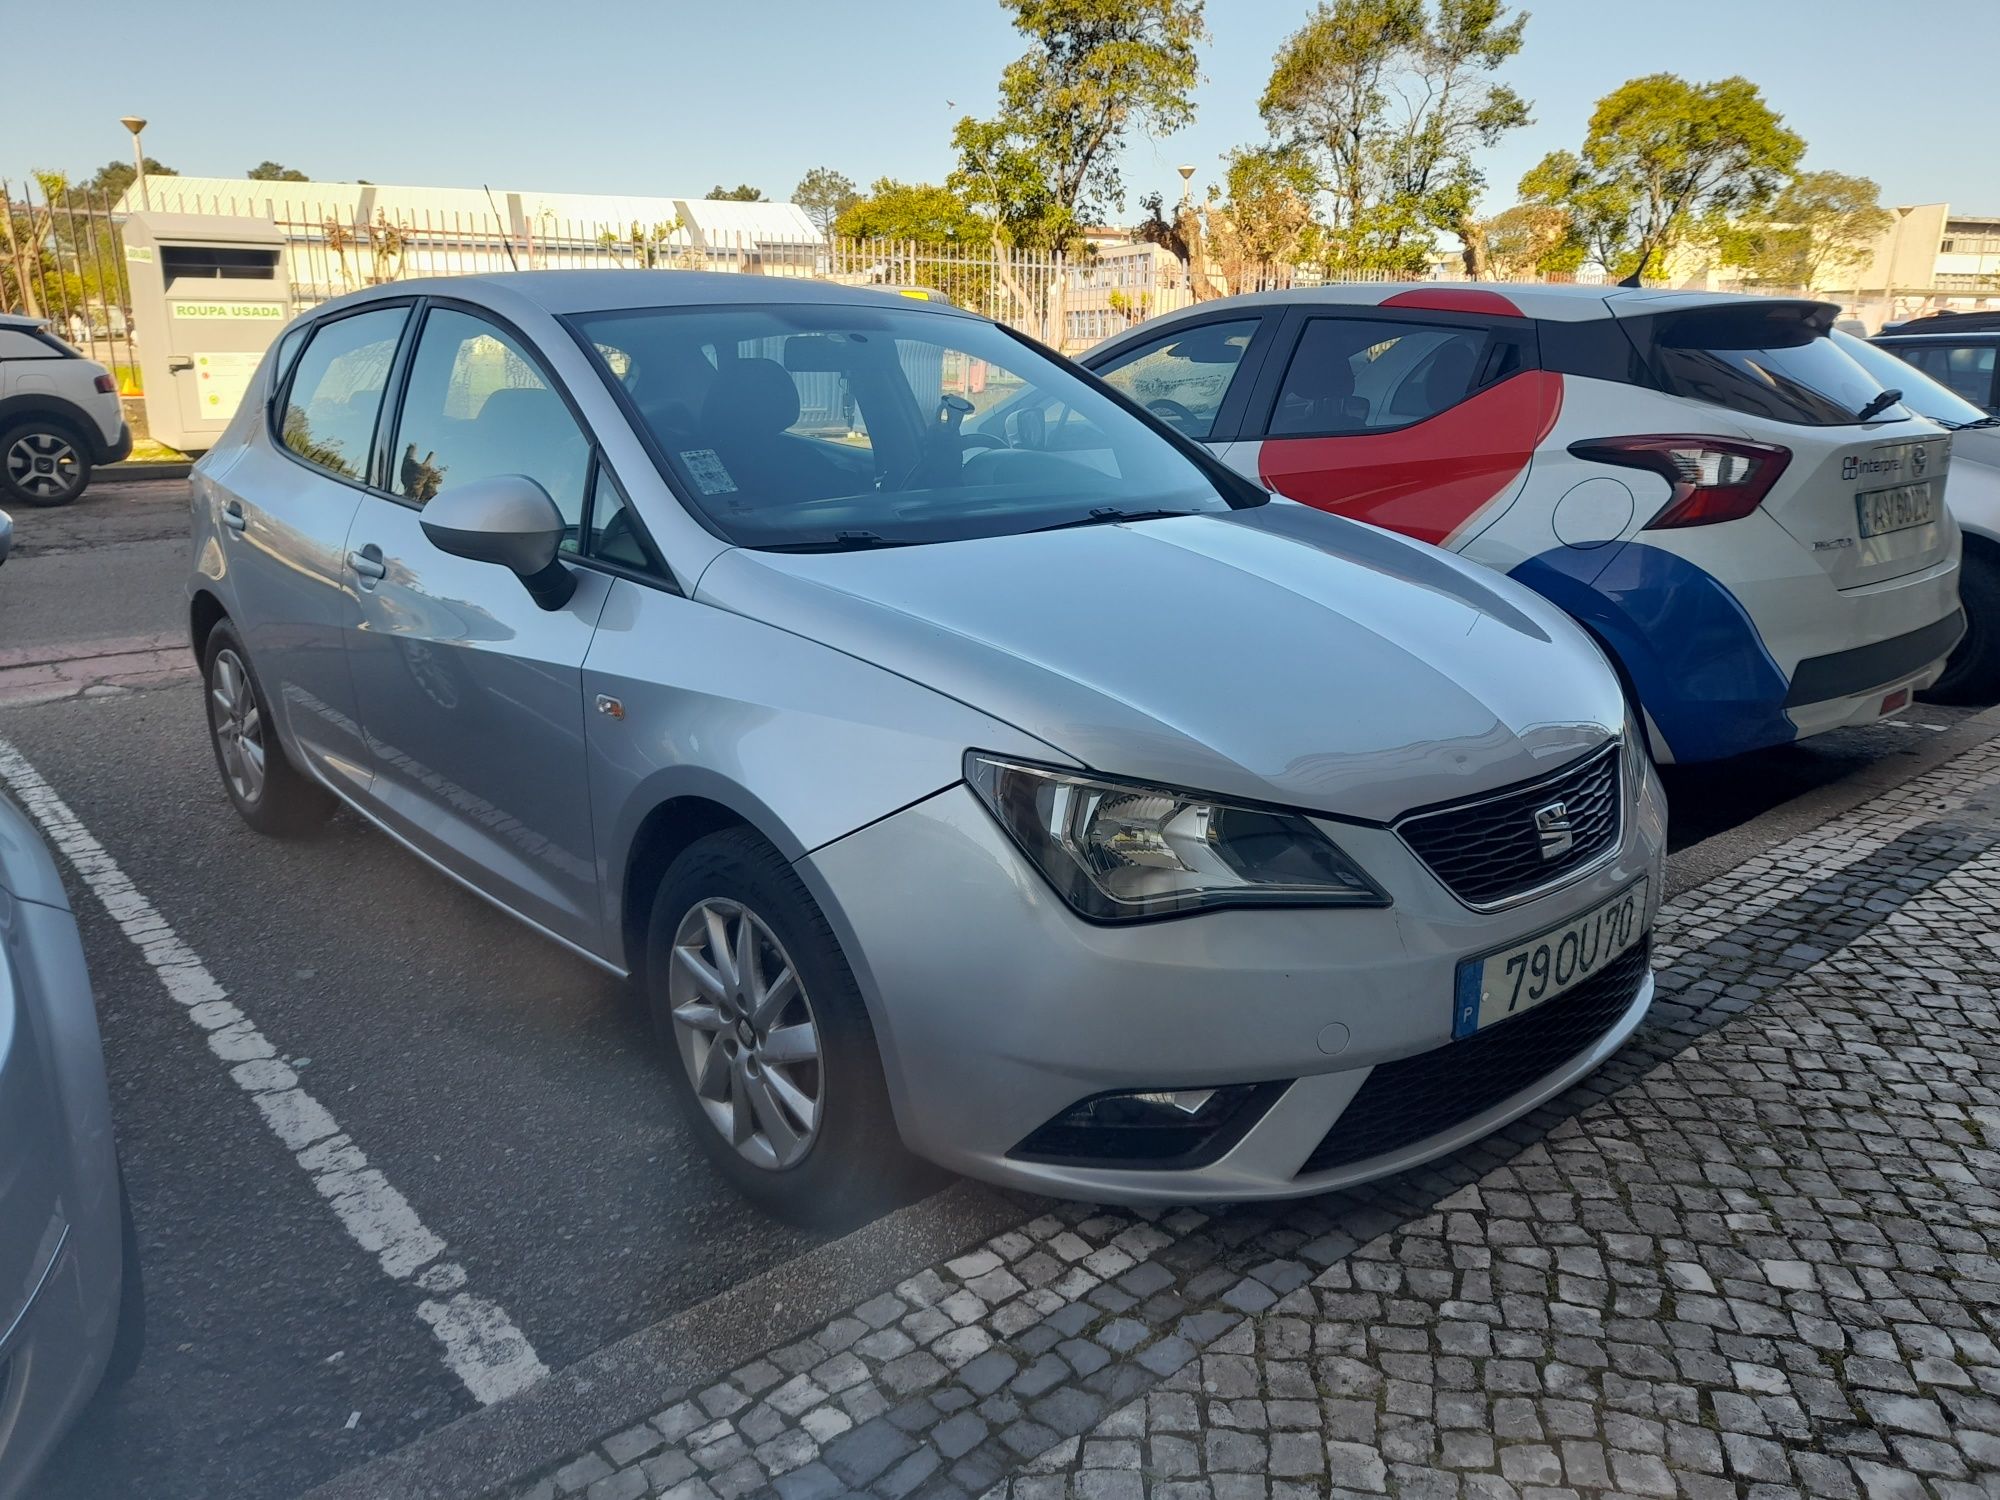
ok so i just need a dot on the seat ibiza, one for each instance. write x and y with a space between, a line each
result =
1048 802
1744 517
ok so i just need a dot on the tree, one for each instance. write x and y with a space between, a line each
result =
1095 69
1389 100
741 193
111 179
919 211
270 171
1527 240
825 195
1265 225
1663 161
1821 225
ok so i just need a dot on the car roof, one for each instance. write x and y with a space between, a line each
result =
1554 302
566 292
21 320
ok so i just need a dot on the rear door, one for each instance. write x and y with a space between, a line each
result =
1863 489
1422 422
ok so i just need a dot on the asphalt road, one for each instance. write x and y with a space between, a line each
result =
510 1092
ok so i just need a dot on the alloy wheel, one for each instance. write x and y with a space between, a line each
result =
43 465
238 725
746 1033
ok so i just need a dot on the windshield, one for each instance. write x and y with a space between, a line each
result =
1921 394
832 426
1776 360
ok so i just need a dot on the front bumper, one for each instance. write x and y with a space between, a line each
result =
997 1008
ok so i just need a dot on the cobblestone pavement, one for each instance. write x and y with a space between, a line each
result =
1758 1254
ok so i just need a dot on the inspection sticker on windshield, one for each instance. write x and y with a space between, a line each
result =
1551 963
707 471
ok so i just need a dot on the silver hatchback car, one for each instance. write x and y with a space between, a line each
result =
1024 790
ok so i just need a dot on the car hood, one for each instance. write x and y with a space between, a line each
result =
1275 653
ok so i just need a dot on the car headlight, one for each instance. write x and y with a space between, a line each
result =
1119 851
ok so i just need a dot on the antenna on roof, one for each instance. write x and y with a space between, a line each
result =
507 239
1632 280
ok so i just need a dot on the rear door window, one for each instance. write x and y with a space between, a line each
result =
1184 376
1965 368
1772 361
336 394
1353 375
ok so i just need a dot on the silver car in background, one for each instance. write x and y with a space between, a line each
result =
1031 792
69 1291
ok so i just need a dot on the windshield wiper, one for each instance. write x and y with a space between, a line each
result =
841 541
1880 404
1104 515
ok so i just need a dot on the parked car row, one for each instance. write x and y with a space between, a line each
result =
971 760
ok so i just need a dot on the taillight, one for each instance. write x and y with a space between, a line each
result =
1714 479
106 384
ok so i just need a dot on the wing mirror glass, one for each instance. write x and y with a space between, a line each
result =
509 521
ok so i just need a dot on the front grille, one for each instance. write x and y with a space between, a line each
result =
1490 850
1415 1097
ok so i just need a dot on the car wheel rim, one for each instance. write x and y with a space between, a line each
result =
746 1033
43 465
238 725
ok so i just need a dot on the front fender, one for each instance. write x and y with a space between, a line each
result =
803 742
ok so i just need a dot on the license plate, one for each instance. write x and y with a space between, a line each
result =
1550 964
1897 508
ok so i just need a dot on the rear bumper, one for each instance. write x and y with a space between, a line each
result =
1735 640
117 449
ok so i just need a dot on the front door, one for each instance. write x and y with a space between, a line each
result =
286 513
470 693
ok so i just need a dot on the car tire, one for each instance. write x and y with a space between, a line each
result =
1972 675
129 1345
271 794
741 1069
24 449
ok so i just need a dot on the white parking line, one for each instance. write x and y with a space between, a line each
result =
482 1347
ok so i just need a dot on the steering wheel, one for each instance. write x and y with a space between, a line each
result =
983 440
1173 411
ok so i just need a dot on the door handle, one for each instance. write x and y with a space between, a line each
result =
232 516
368 564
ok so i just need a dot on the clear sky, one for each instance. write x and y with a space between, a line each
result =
668 97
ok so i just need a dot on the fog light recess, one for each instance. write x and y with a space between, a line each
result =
1151 1129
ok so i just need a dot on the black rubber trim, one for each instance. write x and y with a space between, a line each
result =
1842 674
1057 1145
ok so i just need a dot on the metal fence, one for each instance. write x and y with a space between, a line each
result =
62 257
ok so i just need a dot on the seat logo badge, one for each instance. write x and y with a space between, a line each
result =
1919 460
1553 826
606 704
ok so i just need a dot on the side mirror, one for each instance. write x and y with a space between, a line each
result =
6 535
510 521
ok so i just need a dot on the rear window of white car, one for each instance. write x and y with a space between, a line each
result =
1773 361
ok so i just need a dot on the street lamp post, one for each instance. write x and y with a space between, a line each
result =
1187 183
134 124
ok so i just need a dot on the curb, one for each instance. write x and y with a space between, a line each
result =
127 471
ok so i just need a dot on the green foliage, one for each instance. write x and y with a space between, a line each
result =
1265 221
1821 225
270 171
1664 157
919 211
825 195
1046 166
111 179
741 193
1389 100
